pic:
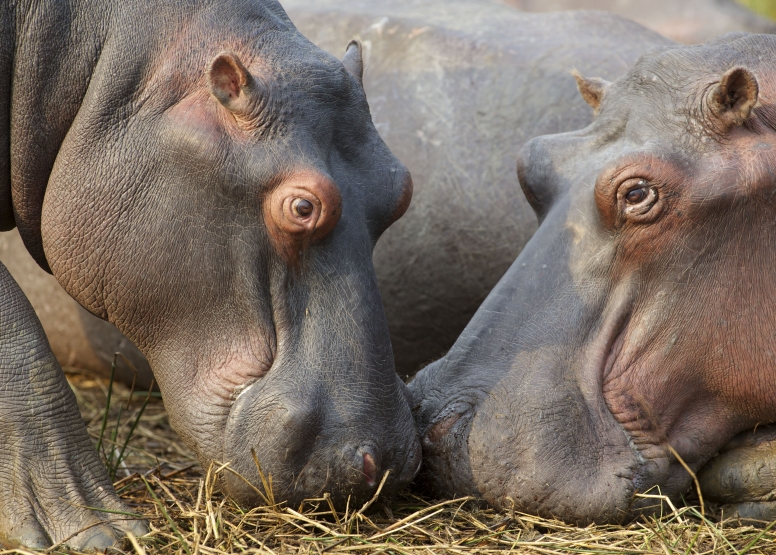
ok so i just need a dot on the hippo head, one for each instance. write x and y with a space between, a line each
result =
236 190
636 329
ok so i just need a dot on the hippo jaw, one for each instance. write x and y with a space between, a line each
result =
638 317
320 452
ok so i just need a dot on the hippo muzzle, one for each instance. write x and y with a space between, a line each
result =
310 443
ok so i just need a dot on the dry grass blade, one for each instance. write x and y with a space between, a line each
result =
189 515
170 521
693 476
139 549
266 482
374 497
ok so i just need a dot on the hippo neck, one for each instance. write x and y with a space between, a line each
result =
53 53
7 39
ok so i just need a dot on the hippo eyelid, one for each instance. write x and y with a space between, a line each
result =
643 206
658 176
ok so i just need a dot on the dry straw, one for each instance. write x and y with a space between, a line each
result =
188 515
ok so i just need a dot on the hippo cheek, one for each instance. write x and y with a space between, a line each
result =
447 467
301 441
531 441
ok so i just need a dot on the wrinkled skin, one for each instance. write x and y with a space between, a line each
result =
79 340
639 318
213 186
455 89
687 21
742 476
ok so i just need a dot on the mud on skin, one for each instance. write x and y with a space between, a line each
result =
214 187
640 314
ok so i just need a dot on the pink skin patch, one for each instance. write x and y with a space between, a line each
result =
291 230
440 429
370 470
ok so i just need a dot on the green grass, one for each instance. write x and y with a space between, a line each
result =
766 8
117 448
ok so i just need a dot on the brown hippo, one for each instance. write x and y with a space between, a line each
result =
688 21
636 327
206 179
455 88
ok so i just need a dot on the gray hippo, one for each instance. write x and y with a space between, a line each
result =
455 89
688 21
207 180
634 333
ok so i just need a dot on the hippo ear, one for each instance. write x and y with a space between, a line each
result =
353 61
591 88
234 86
732 99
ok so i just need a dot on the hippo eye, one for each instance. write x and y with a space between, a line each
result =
638 197
635 196
303 207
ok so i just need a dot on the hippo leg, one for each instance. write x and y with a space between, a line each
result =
53 485
743 476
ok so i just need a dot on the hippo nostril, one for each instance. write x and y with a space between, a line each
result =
370 470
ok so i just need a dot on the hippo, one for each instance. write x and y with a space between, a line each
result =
633 334
212 184
81 341
456 88
688 21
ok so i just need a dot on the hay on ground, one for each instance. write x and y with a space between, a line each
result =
159 478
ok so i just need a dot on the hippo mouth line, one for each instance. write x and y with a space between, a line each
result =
637 471
243 389
615 334
614 345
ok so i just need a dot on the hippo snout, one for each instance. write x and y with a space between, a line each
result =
310 445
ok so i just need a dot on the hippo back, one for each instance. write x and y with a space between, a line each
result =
688 21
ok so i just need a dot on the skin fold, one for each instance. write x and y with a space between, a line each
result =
638 318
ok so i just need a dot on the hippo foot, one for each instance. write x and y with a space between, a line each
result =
62 499
743 476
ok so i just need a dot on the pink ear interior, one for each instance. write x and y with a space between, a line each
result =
734 97
227 77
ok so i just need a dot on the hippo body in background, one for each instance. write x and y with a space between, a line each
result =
79 339
211 183
634 333
688 21
455 89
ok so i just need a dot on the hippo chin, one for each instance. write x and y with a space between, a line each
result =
212 184
636 327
